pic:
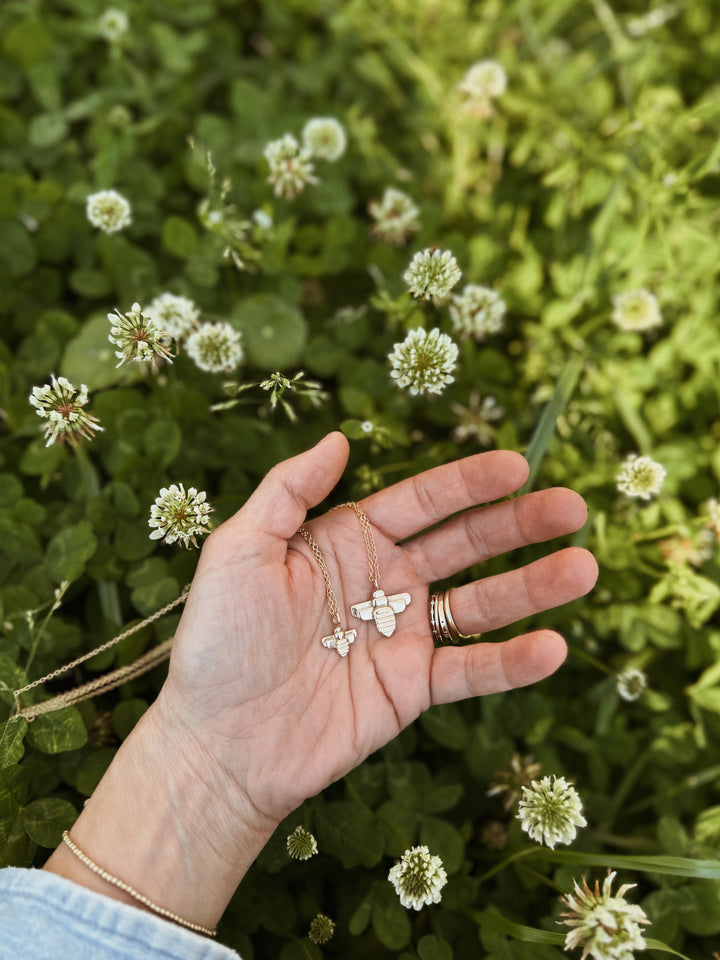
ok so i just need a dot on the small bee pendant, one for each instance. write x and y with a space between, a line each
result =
382 610
340 640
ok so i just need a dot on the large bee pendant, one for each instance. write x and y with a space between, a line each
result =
382 610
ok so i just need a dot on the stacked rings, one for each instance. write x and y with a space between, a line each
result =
442 625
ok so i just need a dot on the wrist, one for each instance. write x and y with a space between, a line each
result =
162 821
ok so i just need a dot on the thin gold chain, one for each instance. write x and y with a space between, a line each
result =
317 553
121 885
374 573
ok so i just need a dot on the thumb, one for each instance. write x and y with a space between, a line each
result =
279 505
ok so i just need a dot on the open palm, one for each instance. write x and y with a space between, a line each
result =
279 715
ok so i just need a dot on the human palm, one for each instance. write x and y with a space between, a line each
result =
280 715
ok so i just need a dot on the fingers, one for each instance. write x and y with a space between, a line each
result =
549 582
418 502
278 506
491 531
477 669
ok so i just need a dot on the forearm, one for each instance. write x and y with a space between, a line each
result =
159 822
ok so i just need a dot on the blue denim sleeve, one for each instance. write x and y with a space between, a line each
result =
46 917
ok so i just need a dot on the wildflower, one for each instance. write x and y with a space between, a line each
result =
640 477
606 926
215 347
432 274
521 773
324 138
321 929
179 514
262 219
550 811
108 210
484 81
475 419
137 337
418 878
301 844
174 315
687 547
367 426
61 404
477 312
113 24
396 217
630 683
494 835
636 310
424 361
291 169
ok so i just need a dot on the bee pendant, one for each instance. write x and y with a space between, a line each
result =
340 640
382 610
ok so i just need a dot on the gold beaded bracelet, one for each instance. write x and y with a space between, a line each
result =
168 914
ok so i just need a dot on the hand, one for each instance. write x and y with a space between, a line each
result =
274 716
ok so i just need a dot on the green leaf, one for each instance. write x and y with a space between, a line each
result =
46 819
274 331
492 919
430 948
92 769
163 441
90 357
444 841
672 866
12 735
126 714
446 725
361 917
349 832
17 252
301 950
69 550
390 919
59 731
27 42
179 237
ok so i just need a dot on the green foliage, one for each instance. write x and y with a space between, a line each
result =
595 173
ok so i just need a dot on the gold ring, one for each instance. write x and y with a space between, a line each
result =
442 624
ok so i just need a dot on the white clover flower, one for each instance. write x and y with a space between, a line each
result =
262 219
432 274
640 477
424 361
291 169
108 210
301 844
324 138
179 514
484 82
215 347
636 310
113 24
477 312
61 405
137 337
396 217
606 926
418 878
174 315
321 929
630 683
550 811
474 422
367 426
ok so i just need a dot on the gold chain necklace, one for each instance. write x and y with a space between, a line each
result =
379 608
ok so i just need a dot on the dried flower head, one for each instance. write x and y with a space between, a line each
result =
640 477
291 169
396 217
636 310
550 811
494 835
215 347
630 683
174 315
179 514
61 405
606 926
477 312
418 878
474 421
137 337
113 24
522 772
424 362
108 210
484 82
324 138
321 929
301 844
432 274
